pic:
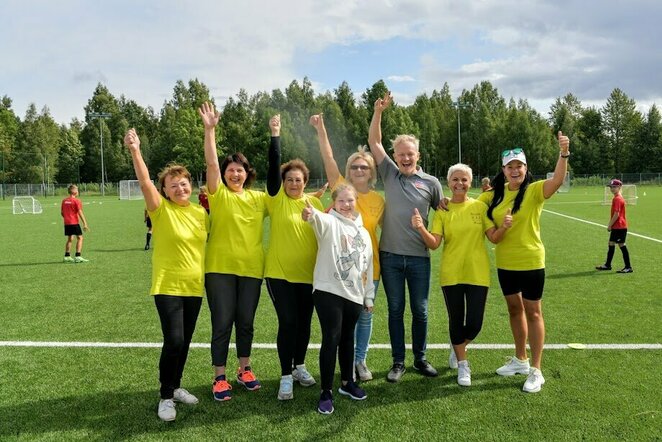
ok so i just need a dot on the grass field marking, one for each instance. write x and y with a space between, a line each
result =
272 346
600 225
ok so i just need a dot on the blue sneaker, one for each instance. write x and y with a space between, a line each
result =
352 390
325 405
221 389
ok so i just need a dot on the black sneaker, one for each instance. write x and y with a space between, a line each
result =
352 390
425 368
396 372
603 267
625 270
325 405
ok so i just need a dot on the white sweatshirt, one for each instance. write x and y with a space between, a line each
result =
344 257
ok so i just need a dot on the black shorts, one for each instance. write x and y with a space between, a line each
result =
72 229
529 282
148 222
618 235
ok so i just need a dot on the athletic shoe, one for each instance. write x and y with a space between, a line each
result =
286 390
80 259
325 405
396 372
603 267
352 390
301 375
183 396
625 270
534 382
221 389
146 246
463 374
248 379
425 368
514 366
362 371
167 410
68 259
452 359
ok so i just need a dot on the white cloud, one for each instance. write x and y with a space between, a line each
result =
400 78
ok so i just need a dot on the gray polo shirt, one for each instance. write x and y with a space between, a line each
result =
403 193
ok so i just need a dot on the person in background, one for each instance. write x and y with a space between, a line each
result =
618 228
361 173
485 185
148 235
342 288
203 199
177 269
71 210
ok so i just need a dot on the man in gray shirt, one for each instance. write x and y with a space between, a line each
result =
403 255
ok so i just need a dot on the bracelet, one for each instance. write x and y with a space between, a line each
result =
564 156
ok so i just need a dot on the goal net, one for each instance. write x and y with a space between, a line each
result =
26 204
628 191
130 190
565 187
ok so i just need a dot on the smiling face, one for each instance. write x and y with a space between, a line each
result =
360 173
235 176
345 203
294 183
177 189
515 172
459 183
406 156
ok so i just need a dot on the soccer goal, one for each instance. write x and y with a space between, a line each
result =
130 190
565 187
26 204
628 191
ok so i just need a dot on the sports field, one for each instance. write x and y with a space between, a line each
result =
61 379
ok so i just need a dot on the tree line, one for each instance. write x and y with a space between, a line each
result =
615 138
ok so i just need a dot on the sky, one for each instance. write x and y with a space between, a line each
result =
54 53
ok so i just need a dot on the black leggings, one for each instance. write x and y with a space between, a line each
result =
178 316
464 324
338 318
294 308
232 300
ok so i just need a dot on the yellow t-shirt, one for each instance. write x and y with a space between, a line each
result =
464 255
292 243
180 234
371 207
235 238
521 247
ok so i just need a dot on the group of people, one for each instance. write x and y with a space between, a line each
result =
332 261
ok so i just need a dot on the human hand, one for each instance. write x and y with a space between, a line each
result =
320 192
443 204
368 309
307 211
382 103
86 228
508 219
209 115
416 219
132 141
274 125
564 143
317 121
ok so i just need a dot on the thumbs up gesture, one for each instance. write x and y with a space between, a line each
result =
416 219
564 143
508 219
307 211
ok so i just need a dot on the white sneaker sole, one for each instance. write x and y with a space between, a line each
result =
513 373
356 398
285 397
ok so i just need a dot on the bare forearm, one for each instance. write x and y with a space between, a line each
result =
431 241
151 194
211 158
375 137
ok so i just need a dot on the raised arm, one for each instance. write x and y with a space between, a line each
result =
210 117
150 193
330 165
553 184
273 172
375 132
431 240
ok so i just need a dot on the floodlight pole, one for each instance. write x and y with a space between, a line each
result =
101 116
459 136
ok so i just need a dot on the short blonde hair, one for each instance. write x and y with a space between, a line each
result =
404 139
341 188
363 154
457 168
172 170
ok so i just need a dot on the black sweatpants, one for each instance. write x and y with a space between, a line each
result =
465 304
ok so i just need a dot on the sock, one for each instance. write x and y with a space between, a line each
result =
626 256
148 237
77 253
67 254
610 255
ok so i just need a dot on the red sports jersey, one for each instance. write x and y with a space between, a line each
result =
70 208
618 205
202 199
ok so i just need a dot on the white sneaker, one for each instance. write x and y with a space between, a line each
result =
167 410
301 375
534 382
183 396
452 359
463 374
363 372
514 366
286 390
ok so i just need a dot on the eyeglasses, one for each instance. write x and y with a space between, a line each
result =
514 151
359 167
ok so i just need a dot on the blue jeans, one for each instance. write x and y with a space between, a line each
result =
415 270
363 332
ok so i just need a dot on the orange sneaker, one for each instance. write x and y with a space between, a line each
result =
248 379
221 389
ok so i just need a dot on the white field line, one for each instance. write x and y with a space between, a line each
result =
271 346
601 225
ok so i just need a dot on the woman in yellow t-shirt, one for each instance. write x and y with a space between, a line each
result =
361 172
180 234
465 269
235 257
290 262
520 257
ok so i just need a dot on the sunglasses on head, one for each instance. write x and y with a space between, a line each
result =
359 167
514 151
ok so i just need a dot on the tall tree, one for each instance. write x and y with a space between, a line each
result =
647 153
620 124
70 153
9 128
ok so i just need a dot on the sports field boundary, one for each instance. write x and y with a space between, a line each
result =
272 346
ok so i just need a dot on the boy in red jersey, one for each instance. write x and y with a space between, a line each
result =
618 226
71 210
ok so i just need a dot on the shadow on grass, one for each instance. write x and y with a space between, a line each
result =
139 249
574 275
25 264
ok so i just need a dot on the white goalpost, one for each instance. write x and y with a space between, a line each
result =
26 204
130 190
628 191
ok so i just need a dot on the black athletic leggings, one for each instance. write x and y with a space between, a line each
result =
338 318
178 316
294 308
465 304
